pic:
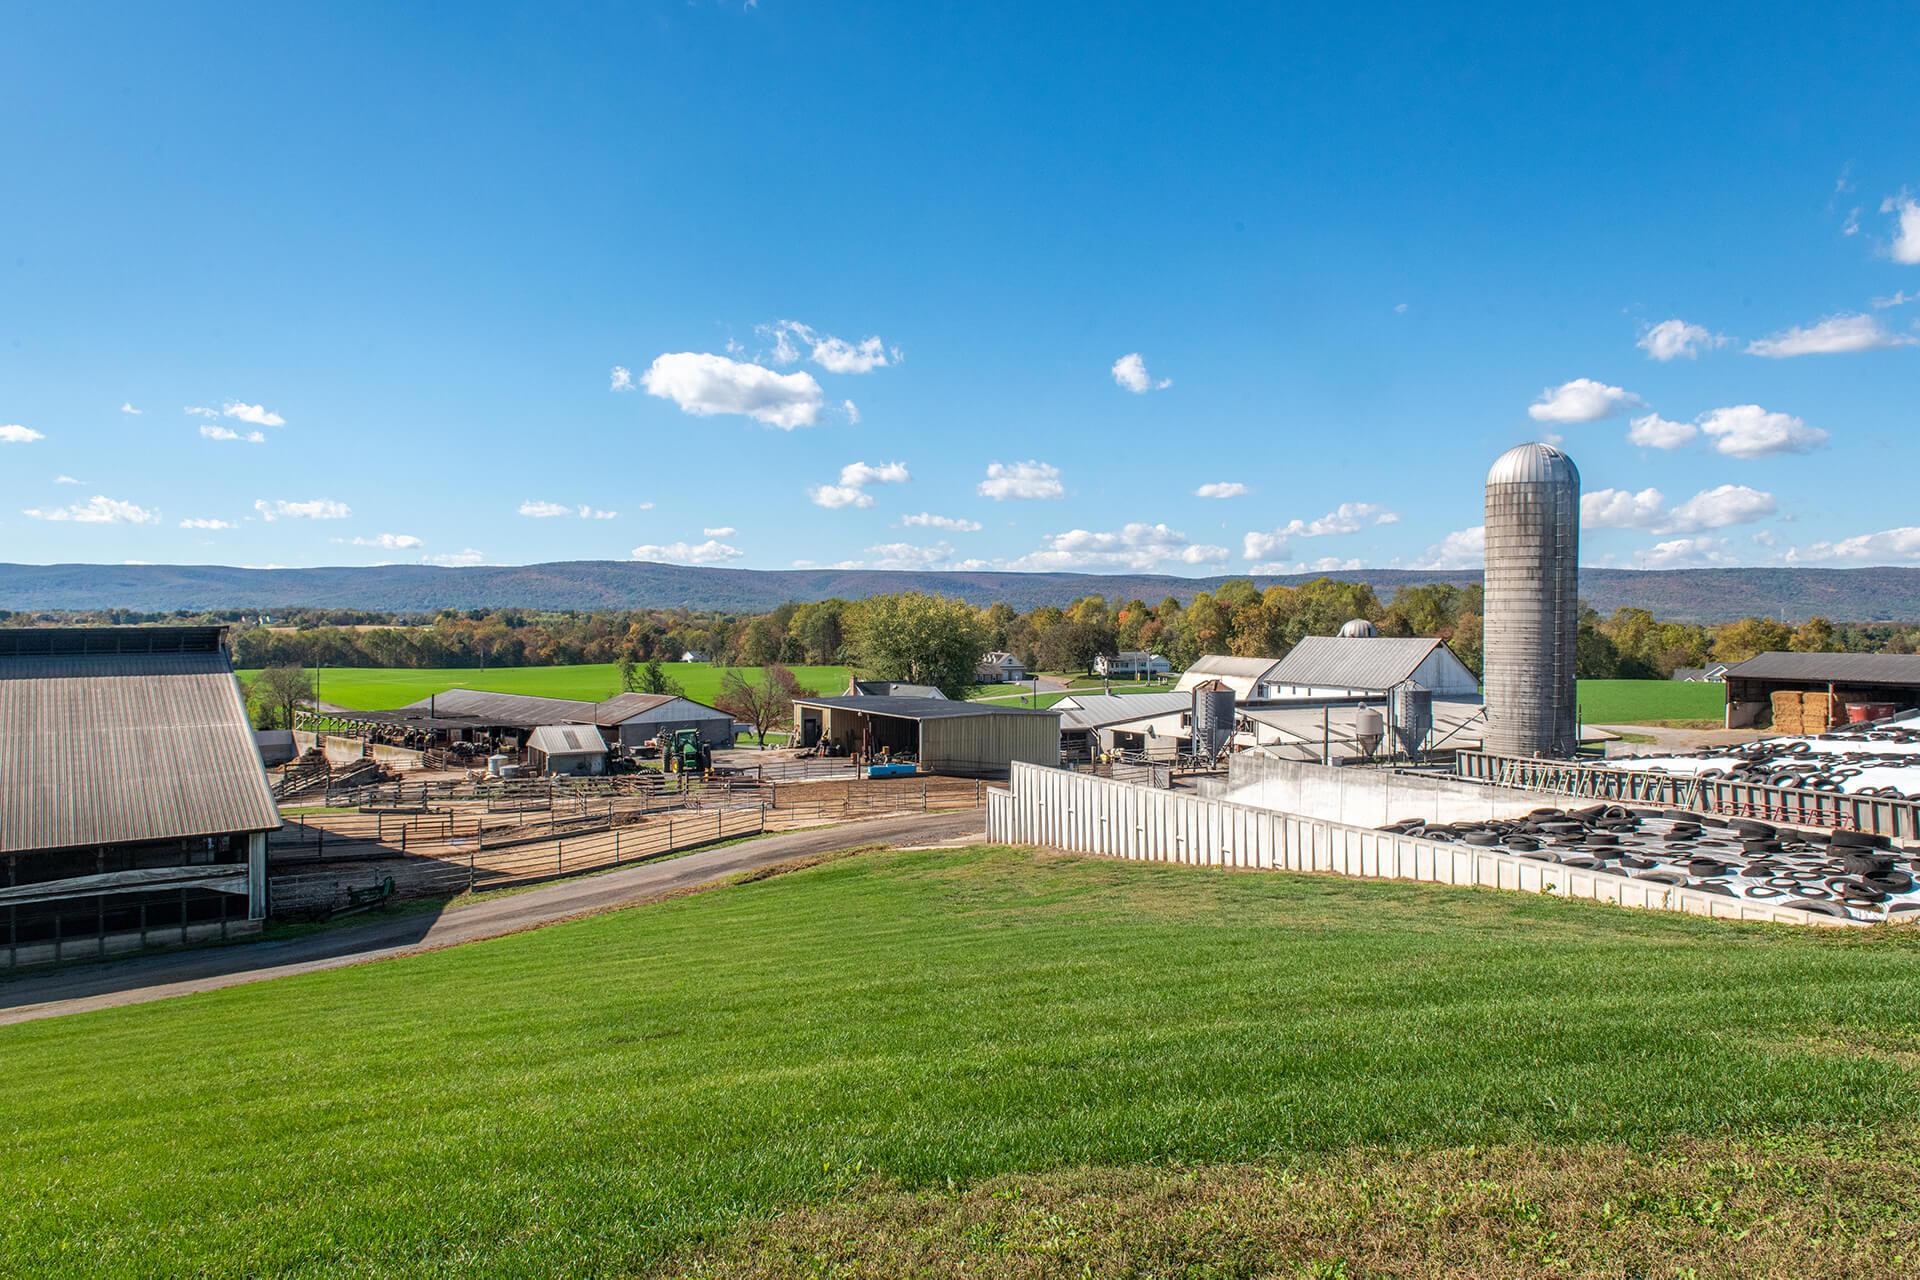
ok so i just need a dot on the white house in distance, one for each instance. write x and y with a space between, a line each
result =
1000 667
1131 664
693 655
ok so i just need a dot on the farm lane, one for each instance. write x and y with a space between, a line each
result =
161 975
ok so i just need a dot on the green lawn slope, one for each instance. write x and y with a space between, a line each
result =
999 1060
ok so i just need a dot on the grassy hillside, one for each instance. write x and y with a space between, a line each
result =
1136 1054
376 689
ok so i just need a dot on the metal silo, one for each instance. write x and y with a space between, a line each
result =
1412 717
1358 629
1533 582
1212 719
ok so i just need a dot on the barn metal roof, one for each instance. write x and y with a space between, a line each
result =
530 711
1096 711
1839 668
111 747
919 708
619 709
567 740
892 689
1353 662
1215 664
520 710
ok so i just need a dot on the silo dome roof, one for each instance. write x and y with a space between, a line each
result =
1533 464
1358 628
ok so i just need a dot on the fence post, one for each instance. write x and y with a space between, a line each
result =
559 856
469 871
616 846
669 835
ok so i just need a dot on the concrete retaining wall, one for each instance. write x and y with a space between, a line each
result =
398 759
1083 814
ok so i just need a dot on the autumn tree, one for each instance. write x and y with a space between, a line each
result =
920 639
762 704
278 694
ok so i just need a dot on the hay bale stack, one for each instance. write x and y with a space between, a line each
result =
1787 712
1816 712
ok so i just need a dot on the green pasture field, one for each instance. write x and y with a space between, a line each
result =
1638 701
1003 1063
380 688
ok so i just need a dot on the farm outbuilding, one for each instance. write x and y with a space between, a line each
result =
632 718
1882 682
1247 677
963 739
574 749
629 719
133 804
1368 666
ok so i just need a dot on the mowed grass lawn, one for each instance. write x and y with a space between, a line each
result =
1633 701
379 688
1008 1063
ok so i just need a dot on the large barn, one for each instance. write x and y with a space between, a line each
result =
133 804
626 719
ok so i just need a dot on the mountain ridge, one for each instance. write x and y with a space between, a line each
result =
1884 593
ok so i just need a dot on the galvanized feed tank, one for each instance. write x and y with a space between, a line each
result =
1532 612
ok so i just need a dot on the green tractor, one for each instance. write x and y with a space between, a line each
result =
684 751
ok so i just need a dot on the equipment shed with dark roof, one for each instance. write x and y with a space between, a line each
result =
962 739
1891 678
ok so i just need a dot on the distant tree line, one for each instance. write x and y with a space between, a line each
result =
935 640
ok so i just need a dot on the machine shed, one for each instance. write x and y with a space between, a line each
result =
961 739
1889 679
1357 666
575 749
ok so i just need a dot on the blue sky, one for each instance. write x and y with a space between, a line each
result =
507 284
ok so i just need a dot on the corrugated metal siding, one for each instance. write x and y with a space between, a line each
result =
988 745
1359 662
1093 711
114 749
521 710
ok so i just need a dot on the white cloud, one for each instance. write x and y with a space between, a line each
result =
705 385
456 559
1717 508
256 414
646 506
65 480
1137 546
1748 431
595 513
854 478
1619 509
711 551
835 355
201 411
1348 517
1582 400
1130 372
126 406
1887 545
98 509
205 522
390 541
724 531
1898 298
835 496
1656 432
860 474
622 379
312 509
1461 549
1221 489
852 411
907 555
1906 236
222 433
544 510
1676 340
1399 308
1836 335
1682 553
14 433
927 520
1021 480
